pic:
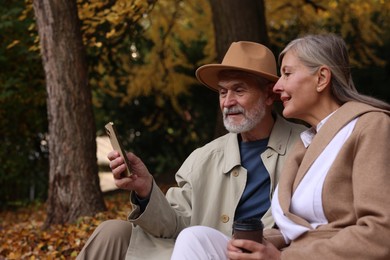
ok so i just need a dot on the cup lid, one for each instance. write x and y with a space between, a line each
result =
248 224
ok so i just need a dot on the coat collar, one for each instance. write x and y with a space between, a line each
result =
277 143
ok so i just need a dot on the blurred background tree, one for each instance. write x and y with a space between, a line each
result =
23 124
142 74
74 188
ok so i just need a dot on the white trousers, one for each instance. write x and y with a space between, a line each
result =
200 242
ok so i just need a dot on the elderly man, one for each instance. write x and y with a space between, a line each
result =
233 177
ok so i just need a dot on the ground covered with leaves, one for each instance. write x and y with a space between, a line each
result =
22 237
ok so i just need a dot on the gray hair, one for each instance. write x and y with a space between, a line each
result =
315 51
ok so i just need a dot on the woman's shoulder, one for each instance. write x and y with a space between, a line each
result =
375 118
361 108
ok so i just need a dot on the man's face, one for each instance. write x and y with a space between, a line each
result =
243 103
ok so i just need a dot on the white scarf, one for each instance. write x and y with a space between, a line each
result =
307 199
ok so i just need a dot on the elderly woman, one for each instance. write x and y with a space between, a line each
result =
331 201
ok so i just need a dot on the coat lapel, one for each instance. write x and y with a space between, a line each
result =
335 123
285 189
290 169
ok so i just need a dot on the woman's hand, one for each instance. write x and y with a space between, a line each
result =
265 251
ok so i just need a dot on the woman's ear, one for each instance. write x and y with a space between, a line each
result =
324 78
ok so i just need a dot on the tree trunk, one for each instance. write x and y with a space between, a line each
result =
237 21
73 179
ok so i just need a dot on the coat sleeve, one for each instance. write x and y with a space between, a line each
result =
367 235
275 237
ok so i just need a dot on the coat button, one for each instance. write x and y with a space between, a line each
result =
224 218
235 173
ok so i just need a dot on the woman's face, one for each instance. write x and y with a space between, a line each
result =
297 89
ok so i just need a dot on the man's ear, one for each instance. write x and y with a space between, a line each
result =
324 78
271 95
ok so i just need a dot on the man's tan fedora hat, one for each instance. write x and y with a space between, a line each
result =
244 56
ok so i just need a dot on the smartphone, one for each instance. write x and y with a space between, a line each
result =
116 144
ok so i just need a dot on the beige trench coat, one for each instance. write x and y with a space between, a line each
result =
210 184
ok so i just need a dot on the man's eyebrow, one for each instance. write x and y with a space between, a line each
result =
236 84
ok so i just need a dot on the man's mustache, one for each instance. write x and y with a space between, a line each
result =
233 110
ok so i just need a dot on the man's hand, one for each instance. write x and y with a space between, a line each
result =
140 181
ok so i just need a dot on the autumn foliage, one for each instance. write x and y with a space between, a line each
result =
22 236
142 55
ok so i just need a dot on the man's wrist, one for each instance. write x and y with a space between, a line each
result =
143 201
145 193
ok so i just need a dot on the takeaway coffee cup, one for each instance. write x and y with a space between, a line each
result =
251 229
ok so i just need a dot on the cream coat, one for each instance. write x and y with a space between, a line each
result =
210 184
355 194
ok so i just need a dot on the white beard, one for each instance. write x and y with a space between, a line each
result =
251 118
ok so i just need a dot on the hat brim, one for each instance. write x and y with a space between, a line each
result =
208 74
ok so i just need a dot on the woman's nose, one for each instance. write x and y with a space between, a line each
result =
278 87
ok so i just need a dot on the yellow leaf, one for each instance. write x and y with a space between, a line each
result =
11 45
110 33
